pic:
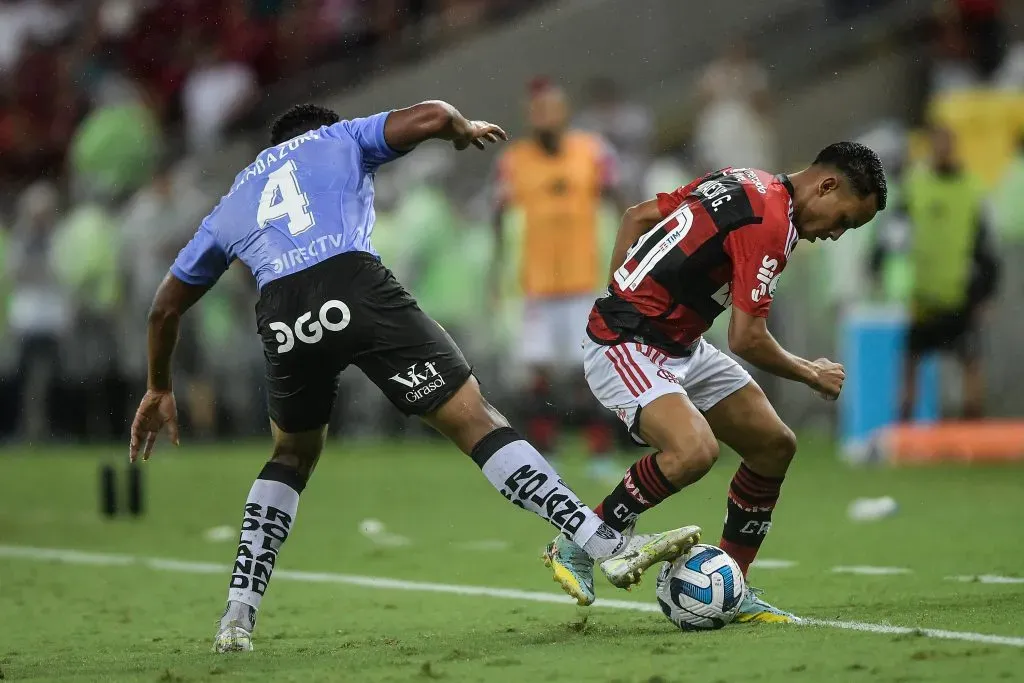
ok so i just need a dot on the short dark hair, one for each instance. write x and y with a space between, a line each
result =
300 119
860 165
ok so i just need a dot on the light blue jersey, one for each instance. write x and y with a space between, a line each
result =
299 203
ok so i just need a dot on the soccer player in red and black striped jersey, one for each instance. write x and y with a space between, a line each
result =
680 260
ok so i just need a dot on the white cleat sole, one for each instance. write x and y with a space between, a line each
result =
626 569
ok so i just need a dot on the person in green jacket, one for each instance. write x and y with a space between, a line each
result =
1008 200
954 264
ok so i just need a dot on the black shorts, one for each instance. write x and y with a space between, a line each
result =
949 331
350 310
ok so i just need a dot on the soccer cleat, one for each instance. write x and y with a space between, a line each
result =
234 634
232 638
754 610
644 551
572 568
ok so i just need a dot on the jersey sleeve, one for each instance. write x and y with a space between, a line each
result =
368 133
202 261
759 253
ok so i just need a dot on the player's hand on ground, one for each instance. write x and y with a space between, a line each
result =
479 132
156 410
828 378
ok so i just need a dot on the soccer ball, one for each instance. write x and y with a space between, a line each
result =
702 590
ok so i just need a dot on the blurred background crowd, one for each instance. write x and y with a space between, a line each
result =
122 122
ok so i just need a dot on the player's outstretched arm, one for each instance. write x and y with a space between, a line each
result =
750 339
157 409
635 222
437 120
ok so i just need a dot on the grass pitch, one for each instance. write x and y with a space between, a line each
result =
106 616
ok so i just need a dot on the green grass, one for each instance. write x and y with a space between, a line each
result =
131 623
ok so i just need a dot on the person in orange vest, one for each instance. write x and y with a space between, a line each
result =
557 177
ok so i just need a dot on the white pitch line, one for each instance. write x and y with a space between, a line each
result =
987 578
867 570
68 556
769 563
181 566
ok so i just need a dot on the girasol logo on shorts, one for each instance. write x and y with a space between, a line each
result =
420 383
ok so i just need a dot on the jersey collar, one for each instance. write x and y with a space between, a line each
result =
792 236
784 179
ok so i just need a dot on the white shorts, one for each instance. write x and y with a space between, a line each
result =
552 328
627 377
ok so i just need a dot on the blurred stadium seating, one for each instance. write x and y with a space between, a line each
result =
122 121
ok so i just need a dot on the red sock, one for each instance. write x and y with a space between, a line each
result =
752 499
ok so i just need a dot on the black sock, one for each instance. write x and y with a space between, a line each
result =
643 486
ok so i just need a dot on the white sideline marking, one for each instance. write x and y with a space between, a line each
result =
768 563
867 570
180 566
987 578
219 534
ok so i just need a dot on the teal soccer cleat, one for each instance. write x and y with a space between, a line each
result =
754 610
572 568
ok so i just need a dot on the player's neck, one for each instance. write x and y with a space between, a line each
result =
549 141
805 184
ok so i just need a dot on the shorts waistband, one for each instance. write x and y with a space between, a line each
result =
353 260
680 351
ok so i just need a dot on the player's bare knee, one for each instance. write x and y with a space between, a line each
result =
684 464
780 447
703 455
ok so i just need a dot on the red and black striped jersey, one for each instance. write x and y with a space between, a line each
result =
723 241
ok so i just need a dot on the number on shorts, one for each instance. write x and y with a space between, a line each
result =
283 186
627 279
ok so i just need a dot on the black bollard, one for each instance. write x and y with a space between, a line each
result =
108 490
135 490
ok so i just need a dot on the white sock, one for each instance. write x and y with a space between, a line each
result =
269 515
524 477
605 542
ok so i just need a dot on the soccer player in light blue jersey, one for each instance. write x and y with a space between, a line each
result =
300 216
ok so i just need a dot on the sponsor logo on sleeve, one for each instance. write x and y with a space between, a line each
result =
767 279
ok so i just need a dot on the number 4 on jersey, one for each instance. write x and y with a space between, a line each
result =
282 197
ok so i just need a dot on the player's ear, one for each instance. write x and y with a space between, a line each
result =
827 184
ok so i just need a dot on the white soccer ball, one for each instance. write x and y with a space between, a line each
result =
702 590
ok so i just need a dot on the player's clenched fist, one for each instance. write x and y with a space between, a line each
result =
828 378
